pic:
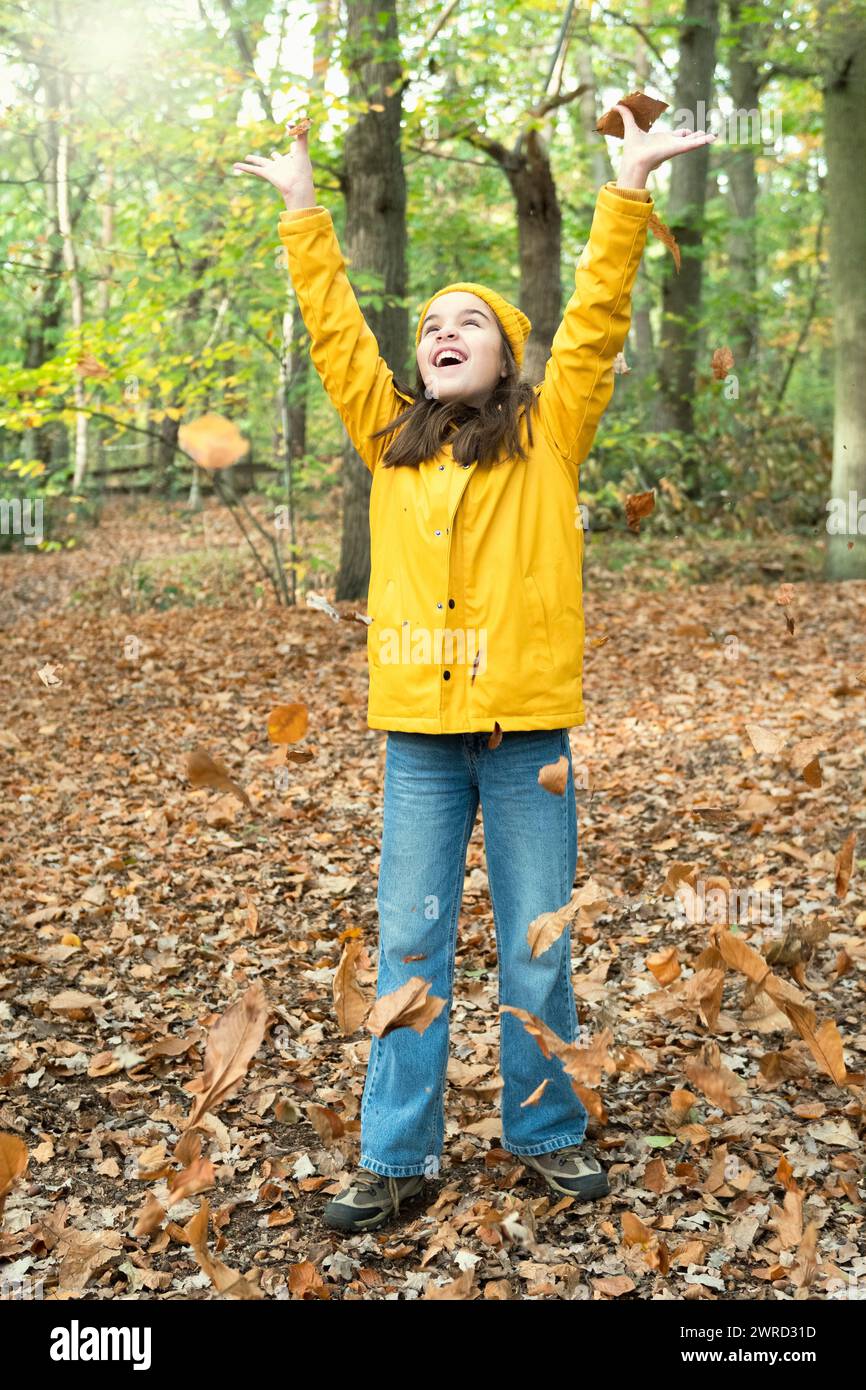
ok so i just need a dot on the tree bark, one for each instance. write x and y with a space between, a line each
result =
374 239
743 183
681 293
844 143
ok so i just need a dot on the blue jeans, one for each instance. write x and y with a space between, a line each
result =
433 784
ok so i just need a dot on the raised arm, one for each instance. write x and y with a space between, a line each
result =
578 378
343 347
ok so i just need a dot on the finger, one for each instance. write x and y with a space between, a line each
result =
255 159
242 168
627 115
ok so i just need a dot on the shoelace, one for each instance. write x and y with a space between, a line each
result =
370 1184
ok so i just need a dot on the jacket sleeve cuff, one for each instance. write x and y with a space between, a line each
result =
286 217
639 195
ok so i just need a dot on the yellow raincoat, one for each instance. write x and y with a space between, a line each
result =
475 586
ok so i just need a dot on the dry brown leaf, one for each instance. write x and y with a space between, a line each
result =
287 723
666 237
76 1005
645 110
326 1122
350 1006
634 1232
723 361
224 1280
765 740
13 1162
409 1006
536 1094
679 872
198 1177
845 865
544 930
718 1084
213 441
205 771
665 965
306 1282
787 1220
637 506
232 1043
150 1218
496 736
554 776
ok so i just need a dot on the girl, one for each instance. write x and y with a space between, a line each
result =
473 520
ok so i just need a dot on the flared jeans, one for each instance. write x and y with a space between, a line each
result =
433 786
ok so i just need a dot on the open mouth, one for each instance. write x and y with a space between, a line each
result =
449 360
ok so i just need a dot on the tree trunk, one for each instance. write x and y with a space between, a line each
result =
844 143
681 293
70 261
539 240
374 239
743 181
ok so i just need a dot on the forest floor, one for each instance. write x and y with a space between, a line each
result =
722 1110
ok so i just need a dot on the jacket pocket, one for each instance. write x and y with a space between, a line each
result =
538 638
383 632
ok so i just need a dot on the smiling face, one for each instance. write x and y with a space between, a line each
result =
461 322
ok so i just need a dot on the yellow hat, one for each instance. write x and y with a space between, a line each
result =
515 324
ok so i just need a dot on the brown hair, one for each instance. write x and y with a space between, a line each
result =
486 433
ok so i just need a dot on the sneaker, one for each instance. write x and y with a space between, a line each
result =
573 1171
370 1199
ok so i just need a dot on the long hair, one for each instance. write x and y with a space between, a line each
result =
487 433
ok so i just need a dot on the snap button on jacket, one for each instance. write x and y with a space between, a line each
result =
475 580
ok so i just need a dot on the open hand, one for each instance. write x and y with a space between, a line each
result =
291 174
645 150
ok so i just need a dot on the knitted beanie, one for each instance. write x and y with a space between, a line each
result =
515 324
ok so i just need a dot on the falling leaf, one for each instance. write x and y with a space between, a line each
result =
232 1043
645 110
765 740
723 361
224 1280
496 736
583 1064
198 1177
665 965
536 1094
205 771
150 1218
213 441
90 366
717 1083
666 237
554 776
13 1162
409 1006
637 506
350 1005
287 723
845 864
679 873
803 758
322 604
